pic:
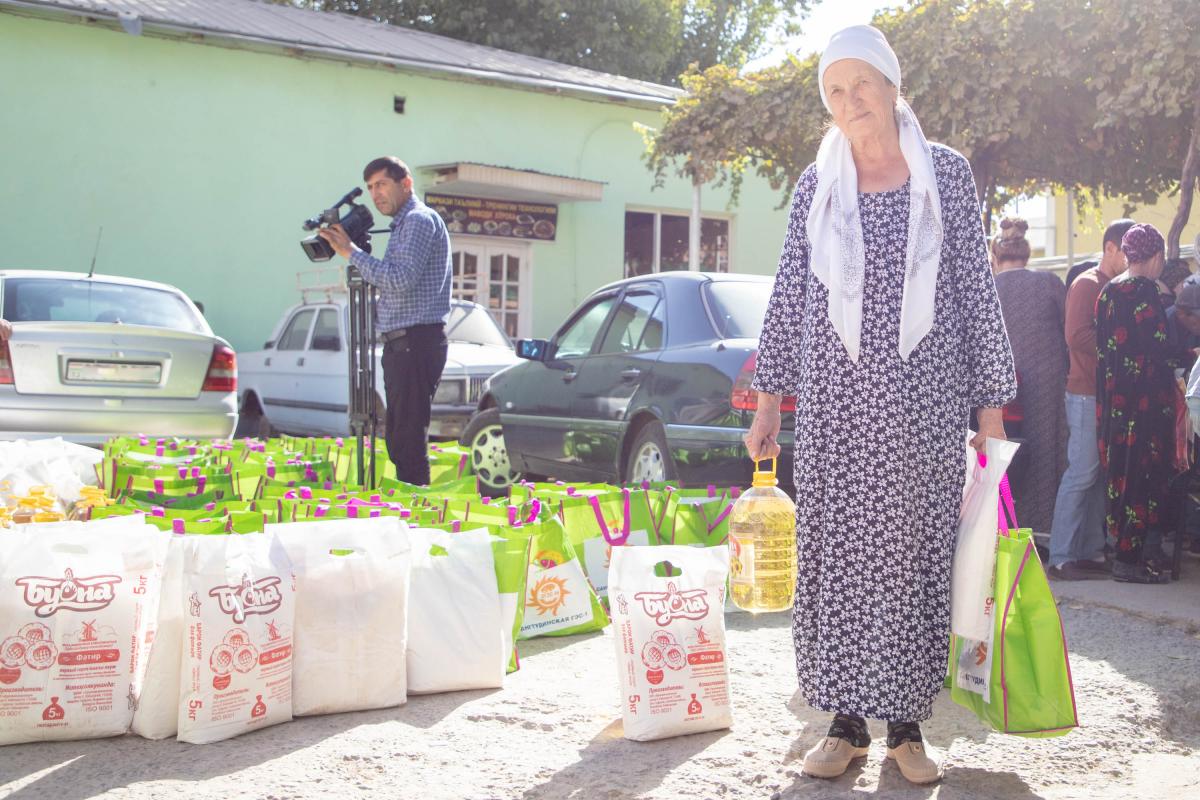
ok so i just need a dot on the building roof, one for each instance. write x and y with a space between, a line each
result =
345 37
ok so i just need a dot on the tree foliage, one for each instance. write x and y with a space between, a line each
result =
1075 94
653 40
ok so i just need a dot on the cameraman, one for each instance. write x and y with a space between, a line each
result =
413 279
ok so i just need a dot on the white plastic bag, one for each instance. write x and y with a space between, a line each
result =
236 671
455 625
77 613
352 580
670 640
157 714
974 567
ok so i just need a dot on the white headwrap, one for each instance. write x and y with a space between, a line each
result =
835 228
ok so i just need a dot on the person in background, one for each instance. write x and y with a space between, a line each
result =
1033 303
1136 393
1077 532
1077 270
1183 317
1175 272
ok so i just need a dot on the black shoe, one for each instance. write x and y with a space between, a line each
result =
1138 573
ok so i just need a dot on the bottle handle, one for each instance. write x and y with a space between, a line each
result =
774 465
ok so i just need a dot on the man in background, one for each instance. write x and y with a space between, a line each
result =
1077 533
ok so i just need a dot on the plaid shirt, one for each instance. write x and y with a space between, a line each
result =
413 277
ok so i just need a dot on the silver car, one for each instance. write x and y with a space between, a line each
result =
299 382
94 357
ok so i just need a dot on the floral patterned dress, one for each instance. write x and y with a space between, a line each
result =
1136 390
880 449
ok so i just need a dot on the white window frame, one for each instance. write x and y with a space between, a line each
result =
658 212
524 251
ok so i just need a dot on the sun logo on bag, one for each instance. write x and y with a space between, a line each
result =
548 595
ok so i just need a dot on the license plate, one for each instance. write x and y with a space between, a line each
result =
113 372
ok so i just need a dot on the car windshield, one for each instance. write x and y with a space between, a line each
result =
68 300
474 325
738 307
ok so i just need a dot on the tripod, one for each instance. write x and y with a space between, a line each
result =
363 400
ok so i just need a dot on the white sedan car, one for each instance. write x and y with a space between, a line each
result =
94 357
299 382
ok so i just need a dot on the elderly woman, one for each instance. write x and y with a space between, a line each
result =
884 320
1137 396
1034 307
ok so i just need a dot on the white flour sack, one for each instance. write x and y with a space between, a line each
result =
77 613
236 670
157 713
351 613
455 628
670 640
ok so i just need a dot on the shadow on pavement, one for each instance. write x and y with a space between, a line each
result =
613 766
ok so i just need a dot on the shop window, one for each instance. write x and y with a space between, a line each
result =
658 242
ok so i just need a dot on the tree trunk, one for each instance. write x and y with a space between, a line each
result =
1187 183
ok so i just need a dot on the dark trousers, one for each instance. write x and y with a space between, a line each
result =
412 368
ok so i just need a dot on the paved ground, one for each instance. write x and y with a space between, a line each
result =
555 732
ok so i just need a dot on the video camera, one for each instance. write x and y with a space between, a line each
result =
356 223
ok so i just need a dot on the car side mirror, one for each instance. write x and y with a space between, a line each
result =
267 345
533 349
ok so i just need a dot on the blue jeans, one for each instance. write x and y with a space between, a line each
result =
1077 532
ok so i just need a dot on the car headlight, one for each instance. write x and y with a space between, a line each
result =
449 393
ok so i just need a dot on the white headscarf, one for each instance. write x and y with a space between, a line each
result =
835 228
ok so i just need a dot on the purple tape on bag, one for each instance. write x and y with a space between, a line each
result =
201 482
158 486
338 441
352 512
182 473
462 464
712 490
327 486
320 511
376 499
143 442
616 541
158 451
512 517
535 511
486 500
305 493
158 511
456 526
210 506
270 469
177 526
720 517
405 513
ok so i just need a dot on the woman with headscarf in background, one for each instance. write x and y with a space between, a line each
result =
1033 303
1137 404
884 321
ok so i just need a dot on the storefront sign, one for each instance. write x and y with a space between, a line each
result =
504 218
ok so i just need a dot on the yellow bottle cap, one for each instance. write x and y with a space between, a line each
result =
764 478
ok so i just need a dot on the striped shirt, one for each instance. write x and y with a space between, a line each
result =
413 277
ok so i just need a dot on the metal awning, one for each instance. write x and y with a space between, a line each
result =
467 179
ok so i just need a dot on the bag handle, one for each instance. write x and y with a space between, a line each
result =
615 540
1008 510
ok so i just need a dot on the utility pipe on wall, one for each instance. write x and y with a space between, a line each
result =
694 229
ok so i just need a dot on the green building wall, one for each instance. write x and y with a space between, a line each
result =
201 160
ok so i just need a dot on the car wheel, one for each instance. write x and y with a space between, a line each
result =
649 456
252 422
484 439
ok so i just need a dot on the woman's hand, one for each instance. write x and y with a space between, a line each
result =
991 426
762 438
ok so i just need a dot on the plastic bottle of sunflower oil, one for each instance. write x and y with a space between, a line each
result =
762 546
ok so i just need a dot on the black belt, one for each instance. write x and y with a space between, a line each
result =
399 333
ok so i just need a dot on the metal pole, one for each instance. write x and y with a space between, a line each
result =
694 229
1070 229
362 411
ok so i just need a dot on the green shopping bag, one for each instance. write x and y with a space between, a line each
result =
1021 684
511 559
697 518
559 601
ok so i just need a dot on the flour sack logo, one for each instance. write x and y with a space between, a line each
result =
674 604
68 593
258 597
